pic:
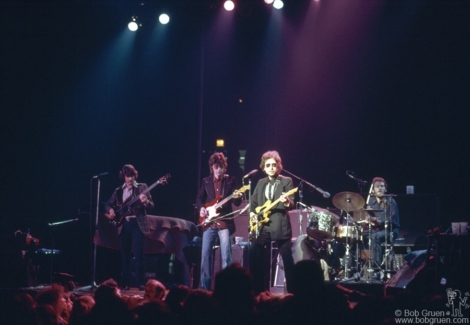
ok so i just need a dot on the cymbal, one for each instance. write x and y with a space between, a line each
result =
319 234
348 201
362 213
371 210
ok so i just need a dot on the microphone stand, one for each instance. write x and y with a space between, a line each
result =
325 194
93 230
300 217
93 282
360 182
250 238
249 210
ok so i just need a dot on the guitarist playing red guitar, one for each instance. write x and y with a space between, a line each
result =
215 196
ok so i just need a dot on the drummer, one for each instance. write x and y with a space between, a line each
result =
378 200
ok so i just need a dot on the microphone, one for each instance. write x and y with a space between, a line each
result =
254 171
350 174
353 176
100 175
326 195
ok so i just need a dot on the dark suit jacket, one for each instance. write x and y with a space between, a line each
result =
141 210
206 195
279 222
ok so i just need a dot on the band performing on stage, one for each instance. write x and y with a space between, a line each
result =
353 241
295 256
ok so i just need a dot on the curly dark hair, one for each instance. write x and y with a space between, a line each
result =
217 158
271 154
128 170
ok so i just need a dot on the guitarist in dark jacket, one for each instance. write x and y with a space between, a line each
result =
213 189
278 228
134 225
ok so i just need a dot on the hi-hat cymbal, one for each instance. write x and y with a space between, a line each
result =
362 213
348 201
319 234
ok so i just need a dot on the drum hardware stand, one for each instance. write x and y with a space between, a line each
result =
347 259
370 261
390 251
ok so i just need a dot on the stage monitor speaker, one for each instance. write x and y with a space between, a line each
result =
240 255
411 275
276 281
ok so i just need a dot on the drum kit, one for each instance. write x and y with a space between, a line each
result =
335 234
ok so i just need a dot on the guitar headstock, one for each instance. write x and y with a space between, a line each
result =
294 190
243 189
164 179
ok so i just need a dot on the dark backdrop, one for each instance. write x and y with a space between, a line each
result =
377 87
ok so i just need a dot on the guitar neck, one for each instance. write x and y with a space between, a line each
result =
218 205
273 204
148 189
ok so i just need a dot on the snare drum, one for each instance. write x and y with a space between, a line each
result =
351 232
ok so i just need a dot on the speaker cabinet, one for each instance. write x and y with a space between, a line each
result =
239 255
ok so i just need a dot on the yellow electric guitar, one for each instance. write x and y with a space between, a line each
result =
264 211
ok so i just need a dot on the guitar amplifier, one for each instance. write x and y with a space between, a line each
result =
241 222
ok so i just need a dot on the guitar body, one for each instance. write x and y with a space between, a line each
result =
121 211
263 207
211 209
264 211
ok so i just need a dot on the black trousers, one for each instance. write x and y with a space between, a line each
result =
132 239
260 260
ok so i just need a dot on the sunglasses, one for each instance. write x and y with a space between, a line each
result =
269 165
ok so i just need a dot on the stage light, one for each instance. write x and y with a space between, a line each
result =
278 4
268 1
133 25
220 143
229 5
164 19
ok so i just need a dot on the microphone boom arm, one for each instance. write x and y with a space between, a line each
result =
324 193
